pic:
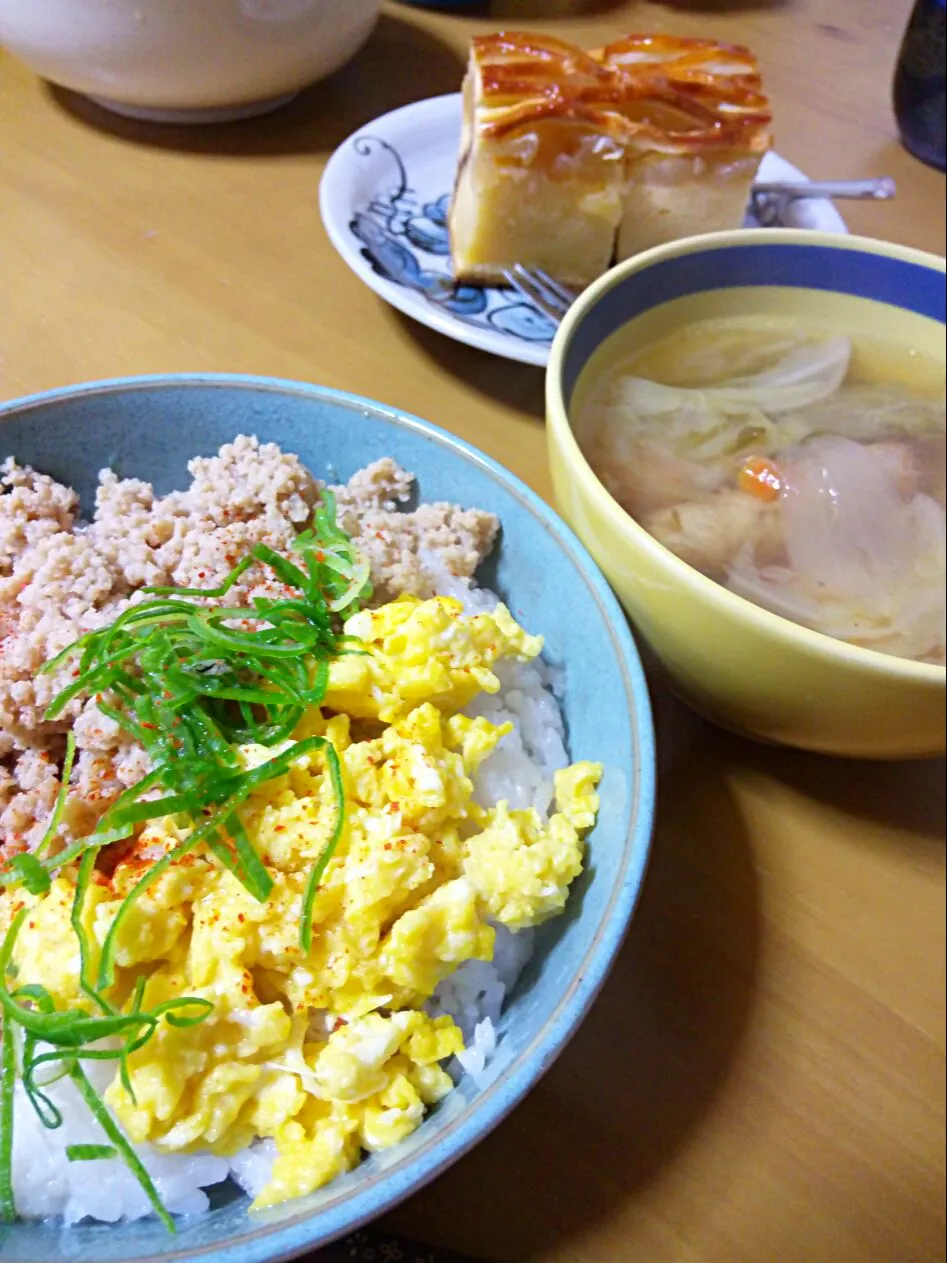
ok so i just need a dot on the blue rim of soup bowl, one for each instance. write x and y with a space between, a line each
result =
311 1229
898 276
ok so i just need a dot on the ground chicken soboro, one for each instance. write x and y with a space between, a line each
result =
60 577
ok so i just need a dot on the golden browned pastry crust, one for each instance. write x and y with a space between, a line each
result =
527 79
538 181
568 156
659 91
688 95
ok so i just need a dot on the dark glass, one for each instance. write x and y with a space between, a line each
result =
919 82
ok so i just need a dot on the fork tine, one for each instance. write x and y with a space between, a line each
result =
546 287
564 295
526 288
546 298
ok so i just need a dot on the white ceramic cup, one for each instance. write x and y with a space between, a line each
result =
186 60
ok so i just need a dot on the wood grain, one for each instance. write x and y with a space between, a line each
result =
762 1080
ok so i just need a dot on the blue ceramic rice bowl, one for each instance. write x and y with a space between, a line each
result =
149 428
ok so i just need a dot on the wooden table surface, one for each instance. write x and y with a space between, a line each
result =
763 1077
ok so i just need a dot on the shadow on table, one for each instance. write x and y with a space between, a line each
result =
519 386
642 1075
400 63
908 796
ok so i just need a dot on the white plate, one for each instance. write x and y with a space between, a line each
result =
384 198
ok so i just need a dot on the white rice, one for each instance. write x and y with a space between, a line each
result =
521 768
521 771
46 1183
252 1168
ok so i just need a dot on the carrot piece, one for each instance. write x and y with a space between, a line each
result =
761 478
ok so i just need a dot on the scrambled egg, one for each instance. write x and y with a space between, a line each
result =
331 1053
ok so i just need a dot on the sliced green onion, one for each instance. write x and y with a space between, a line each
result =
207 593
9 940
60 805
243 860
122 1146
322 863
246 784
86 868
7 1089
169 1010
25 870
190 682
71 1032
89 1153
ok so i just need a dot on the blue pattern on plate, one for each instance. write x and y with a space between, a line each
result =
408 244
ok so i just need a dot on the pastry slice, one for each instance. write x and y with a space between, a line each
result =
698 125
541 166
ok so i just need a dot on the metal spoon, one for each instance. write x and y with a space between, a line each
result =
770 200
880 189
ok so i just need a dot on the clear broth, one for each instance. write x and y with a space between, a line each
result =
801 470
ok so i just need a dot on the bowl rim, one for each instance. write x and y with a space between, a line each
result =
806 639
408 1175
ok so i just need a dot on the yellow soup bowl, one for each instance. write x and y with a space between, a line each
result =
742 666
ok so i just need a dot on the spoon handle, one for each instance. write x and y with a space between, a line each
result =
880 189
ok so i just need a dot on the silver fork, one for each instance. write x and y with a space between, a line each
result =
538 288
767 200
